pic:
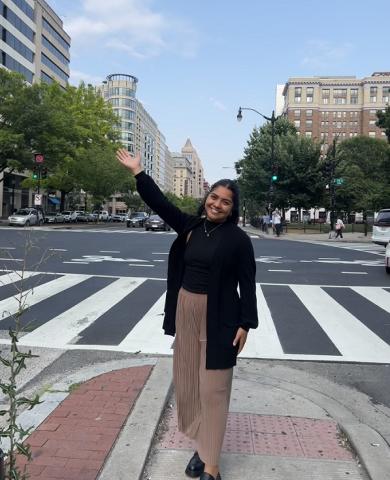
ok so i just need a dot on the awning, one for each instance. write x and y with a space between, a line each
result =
54 200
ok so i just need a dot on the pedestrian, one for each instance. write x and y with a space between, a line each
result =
266 221
339 228
208 260
277 222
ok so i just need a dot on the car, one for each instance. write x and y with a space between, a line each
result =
54 217
67 214
119 217
25 217
75 214
381 228
102 215
136 219
82 217
154 222
387 259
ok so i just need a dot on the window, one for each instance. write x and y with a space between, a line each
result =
297 123
46 78
54 51
297 113
372 134
11 16
371 122
308 134
57 70
309 94
373 94
17 45
340 96
324 136
325 95
386 94
309 123
55 34
25 8
15 66
309 113
354 95
372 112
297 94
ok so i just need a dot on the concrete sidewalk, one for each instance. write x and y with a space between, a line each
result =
355 237
117 421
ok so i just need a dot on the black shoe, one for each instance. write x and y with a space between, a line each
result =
195 466
207 476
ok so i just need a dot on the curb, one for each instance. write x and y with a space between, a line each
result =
130 452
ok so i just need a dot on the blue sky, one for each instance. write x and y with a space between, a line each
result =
198 60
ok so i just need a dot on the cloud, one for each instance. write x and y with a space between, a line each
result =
323 55
76 77
133 27
218 105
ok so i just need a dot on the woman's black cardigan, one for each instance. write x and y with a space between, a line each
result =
233 264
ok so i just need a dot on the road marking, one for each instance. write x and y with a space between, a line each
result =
138 265
65 327
58 249
109 251
158 260
328 258
9 259
160 253
306 261
78 263
279 270
35 295
7 248
355 273
13 277
351 337
375 295
264 340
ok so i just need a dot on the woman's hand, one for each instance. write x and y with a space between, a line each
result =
133 163
240 339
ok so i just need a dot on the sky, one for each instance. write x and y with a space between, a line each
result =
197 61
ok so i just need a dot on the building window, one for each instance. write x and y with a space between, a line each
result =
340 96
15 66
46 43
11 16
297 123
25 8
385 94
309 113
57 70
55 34
372 134
17 45
373 94
309 94
325 95
309 123
371 122
354 96
297 113
297 94
308 134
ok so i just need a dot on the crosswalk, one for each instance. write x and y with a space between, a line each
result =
358 247
99 312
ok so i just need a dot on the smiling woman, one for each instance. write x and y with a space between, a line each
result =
207 262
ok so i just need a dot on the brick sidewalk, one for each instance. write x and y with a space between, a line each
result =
76 438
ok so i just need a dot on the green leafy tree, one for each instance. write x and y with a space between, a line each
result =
384 121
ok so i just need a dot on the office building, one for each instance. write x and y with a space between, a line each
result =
197 181
183 175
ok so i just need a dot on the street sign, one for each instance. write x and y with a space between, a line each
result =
338 181
37 199
39 158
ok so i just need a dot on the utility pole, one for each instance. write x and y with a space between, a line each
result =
332 187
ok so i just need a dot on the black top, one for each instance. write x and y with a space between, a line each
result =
199 254
233 265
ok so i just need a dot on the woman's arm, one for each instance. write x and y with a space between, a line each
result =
247 283
151 194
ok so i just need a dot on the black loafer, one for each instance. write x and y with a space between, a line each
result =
195 466
207 476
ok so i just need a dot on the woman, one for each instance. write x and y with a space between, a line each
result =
339 228
208 260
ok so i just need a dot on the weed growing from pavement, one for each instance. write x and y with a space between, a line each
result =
14 361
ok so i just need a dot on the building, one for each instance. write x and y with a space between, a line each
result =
197 183
327 107
33 43
183 176
139 132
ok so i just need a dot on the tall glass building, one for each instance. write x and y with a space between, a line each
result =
33 41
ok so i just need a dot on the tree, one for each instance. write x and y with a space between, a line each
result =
384 121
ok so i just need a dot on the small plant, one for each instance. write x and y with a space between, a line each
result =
13 434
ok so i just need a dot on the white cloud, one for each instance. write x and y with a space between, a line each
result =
322 55
76 77
131 26
218 105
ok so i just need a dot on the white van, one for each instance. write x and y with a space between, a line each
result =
381 228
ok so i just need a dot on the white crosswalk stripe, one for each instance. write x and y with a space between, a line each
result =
359 247
355 341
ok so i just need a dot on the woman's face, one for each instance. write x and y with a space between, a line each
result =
219 204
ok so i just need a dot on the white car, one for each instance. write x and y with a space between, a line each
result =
67 214
25 217
381 228
387 258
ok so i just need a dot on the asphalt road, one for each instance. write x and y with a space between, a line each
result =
323 308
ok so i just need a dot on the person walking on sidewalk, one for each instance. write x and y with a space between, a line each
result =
210 257
339 228
277 222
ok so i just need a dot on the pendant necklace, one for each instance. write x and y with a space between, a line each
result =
208 232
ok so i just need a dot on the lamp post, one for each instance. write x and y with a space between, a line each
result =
274 176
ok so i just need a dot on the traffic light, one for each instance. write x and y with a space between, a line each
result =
35 174
44 172
275 175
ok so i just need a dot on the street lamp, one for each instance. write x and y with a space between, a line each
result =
271 119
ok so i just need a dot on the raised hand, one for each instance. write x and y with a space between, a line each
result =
133 163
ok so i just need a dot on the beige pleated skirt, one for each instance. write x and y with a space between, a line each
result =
202 396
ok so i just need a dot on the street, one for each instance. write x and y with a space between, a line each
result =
324 308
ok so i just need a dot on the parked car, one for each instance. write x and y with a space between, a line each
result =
154 222
25 217
75 214
54 217
83 217
387 258
137 219
67 214
119 217
102 214
381 228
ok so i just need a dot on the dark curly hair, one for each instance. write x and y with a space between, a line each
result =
233 187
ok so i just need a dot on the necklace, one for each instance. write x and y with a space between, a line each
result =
208 232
